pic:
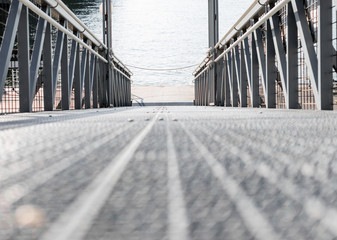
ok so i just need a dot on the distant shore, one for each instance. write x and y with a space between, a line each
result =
179 93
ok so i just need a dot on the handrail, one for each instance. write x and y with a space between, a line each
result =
121 63
45 16
262 20
202 64
201 73
126 76
254 8
63 10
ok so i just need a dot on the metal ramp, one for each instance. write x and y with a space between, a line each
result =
168 173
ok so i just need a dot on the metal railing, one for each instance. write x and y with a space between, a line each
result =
50 60
279 54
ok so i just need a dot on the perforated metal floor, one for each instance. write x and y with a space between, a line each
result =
169 173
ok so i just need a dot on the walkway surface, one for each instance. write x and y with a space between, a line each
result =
169 173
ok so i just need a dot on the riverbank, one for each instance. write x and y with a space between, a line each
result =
183 93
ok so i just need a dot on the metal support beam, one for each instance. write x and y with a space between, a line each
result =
95 83
226 77
220 83
47 71
234 76
260 56
37 53
271 73
72 64
8 41
24 61
292 60
243 78
280 54
77 79
237 68
87 93
307 44
90 82
66 88
57 60
254 75
213 38
213 24
325 54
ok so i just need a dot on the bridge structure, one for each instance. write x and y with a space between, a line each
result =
51 60
230 167
279 54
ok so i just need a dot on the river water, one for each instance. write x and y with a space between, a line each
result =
160 34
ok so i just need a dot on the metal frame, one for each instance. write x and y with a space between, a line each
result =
81 62
260 53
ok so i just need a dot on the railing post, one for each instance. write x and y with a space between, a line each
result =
72 65
57 59
271 73
24 61
47 73
213 36
324 53
234 90
65 73
37 53
292 59
95 94
77 79
254 74
226 79
243 77
87 93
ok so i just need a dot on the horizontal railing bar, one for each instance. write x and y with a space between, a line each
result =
272 12
122 73
42 14
255 8
121 63
203 63
201 73
63 10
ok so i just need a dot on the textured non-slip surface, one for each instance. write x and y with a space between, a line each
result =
168 172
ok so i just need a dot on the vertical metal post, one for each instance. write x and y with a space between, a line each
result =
47 74
95 84
57 59
234 77
37 53
271 73
292 59
72 64
88 90
77 79
24 61
109 50
220 83
243 78
324 53
213 38
261 58
65 73
87 93
254 75
226 79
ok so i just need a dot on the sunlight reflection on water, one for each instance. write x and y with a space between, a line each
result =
160 34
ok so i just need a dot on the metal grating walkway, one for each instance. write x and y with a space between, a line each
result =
169 173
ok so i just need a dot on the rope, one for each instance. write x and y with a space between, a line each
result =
161 69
